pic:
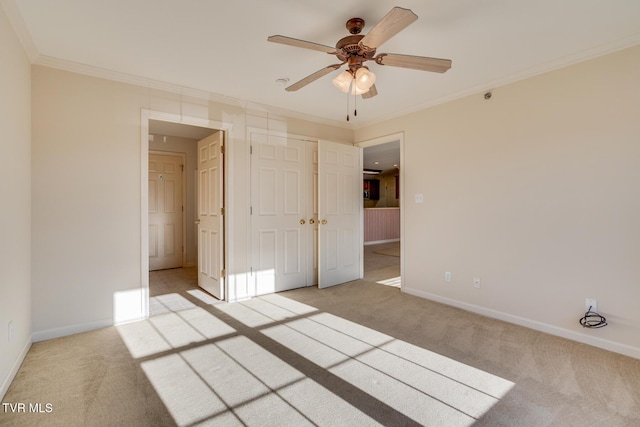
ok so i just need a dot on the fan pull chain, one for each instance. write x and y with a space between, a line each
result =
349 90
347 106
355 97
355 104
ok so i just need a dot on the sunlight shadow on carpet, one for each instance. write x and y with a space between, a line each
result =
273 360
395 282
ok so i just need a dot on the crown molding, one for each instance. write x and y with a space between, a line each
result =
247 105
14 16
560 63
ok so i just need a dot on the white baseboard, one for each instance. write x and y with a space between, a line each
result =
14 369
624 349
70 330
375 242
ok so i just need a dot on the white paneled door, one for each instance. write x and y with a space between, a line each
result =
165 211
340 203
284 213
280 213
211 215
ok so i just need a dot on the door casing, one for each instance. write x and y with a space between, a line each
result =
145 116
384 140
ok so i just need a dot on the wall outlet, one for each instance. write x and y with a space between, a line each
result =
590 302
10 331
447 276
476 282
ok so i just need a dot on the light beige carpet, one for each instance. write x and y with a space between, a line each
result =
356 354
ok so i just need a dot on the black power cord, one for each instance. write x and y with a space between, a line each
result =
592 319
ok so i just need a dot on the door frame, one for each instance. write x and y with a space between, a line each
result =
145 116
379 141
183 158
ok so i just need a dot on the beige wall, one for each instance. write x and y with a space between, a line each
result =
536 194
15 194
87 192
534 191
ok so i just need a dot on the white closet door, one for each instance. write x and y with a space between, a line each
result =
279 219
339 209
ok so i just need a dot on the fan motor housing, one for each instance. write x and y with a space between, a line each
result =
348 47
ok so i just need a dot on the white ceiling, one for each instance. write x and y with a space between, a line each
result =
220 47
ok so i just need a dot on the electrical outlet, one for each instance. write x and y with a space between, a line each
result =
590 302
447 276
10 331
476 282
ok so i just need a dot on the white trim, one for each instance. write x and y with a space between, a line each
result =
74 329
624 349
377 242
14 369
14 16
200 94
90 70
506 80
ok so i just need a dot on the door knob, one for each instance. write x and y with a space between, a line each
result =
324 221
197 221
302 221
312 221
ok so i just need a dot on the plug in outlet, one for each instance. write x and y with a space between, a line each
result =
476 282
10 331
590 302
447 276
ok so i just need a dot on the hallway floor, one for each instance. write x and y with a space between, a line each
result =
381 265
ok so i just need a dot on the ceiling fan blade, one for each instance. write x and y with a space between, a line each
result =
312 77
370 93
423 63
392 23
301 43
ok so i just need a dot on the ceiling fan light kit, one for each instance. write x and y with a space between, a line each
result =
355 83
355 49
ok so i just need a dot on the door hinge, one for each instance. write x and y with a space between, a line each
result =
223 273
222 149
250 210
251 149
221 211
182 168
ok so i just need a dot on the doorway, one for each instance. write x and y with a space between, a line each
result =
382 200
165 134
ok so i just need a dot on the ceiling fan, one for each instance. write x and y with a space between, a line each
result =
355 50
